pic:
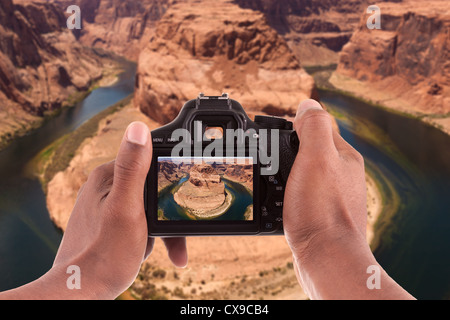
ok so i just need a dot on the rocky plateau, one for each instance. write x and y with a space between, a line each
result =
203 193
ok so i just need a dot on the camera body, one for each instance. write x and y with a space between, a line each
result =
217 172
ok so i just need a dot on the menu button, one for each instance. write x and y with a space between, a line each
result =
158 140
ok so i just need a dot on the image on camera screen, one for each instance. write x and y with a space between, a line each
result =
205 189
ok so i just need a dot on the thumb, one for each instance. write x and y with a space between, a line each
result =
314 128
133 162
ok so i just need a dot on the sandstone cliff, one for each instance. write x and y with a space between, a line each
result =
316 30
213 49
170 172
405 65
240 173
41 65
121 26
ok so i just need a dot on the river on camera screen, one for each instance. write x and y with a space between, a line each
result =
241 200
408 159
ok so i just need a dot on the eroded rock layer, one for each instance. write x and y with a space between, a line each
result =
203 193
213 49
41 65
406 64
316 30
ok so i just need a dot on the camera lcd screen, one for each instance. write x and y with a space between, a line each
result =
205 189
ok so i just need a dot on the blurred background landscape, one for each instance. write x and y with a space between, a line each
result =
67 96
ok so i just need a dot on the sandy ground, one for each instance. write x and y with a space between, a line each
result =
225 268
219 267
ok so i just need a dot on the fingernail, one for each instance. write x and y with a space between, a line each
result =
137 133
308 104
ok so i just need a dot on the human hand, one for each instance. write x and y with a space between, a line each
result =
106 236
325 213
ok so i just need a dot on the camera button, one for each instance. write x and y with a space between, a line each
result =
278 204
171 140
268 226
279 188
158 140
264 211
273 180
275 205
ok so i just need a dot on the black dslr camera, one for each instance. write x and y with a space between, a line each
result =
216 172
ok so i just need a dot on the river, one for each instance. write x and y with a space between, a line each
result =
409 159
240 195
28 238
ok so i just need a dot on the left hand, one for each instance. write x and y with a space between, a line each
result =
107 236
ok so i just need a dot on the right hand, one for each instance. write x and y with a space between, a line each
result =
325 213
326 189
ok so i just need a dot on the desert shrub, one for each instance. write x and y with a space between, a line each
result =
159 273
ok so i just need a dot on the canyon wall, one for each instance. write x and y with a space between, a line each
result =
42 67
169 172
406 64
316 30
213 49
120 26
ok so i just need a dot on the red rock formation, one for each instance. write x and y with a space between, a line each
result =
316 30
203 195
204 175
41 65
170 172
121 26
407 60
213 49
